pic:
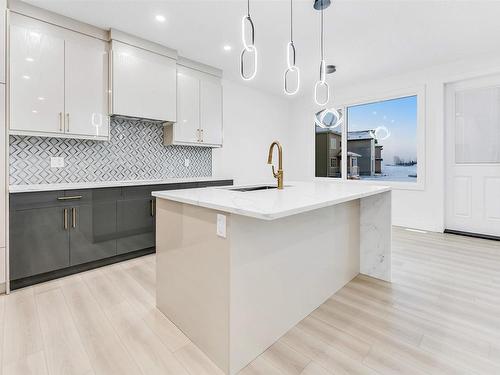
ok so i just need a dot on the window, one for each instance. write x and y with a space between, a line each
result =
328 151
333 143
477 130
381 138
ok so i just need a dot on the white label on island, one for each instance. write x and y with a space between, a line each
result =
221 225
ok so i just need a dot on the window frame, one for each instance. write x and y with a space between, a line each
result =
419 92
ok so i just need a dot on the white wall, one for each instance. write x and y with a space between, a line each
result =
253 119
422 209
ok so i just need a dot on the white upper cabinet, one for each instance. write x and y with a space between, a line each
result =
36 76
143 83
3 16
86 82
58 81
188 107
199 108
211 110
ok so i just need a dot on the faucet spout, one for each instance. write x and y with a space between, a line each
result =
278 175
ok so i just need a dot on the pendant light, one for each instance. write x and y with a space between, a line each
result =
322 66
248 47
321 4
290 59
328 118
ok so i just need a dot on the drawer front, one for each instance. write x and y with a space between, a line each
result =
23 201
137 192
87 196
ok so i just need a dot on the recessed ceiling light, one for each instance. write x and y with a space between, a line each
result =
34 111
41 98
160 18
26 77
227 47
30 59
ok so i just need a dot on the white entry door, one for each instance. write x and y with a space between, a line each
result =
473 156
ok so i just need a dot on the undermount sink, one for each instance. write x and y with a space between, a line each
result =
253 188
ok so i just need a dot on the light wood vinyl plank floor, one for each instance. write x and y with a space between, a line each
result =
441 315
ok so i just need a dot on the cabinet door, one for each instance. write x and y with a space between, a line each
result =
36 76
38 241
188 106
211 110
136 224
144 83
2 171
3 14
93 232
86 82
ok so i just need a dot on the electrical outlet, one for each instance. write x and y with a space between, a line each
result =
187 162
56 162
221 225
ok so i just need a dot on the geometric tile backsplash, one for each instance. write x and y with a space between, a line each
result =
135 151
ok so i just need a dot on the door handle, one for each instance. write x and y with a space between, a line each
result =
69 198
60 121
65 219
73 217
67 122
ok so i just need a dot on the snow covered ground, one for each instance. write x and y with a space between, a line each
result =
395 173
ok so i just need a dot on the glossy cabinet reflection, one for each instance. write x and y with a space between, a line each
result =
59 81
211 110
45 227
86 86
92 224
3 19
143 83
36 77
136 224
187 128
199 110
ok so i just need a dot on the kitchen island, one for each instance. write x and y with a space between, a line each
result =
238 267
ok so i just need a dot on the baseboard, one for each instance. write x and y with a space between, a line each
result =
36 279
475 235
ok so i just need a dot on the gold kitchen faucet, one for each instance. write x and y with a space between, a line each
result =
279 174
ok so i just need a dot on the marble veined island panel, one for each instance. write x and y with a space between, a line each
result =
237 270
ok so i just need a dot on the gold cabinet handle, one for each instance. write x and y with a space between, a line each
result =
73 217
201 130
198 135
60 121
65 219
69 198
67 122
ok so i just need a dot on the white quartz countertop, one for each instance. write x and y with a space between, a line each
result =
104 184
295 198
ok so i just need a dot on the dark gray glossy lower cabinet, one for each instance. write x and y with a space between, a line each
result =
92 236
135 224
38 242
76 229
93 225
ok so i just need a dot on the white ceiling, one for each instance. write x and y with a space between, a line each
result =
365 38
